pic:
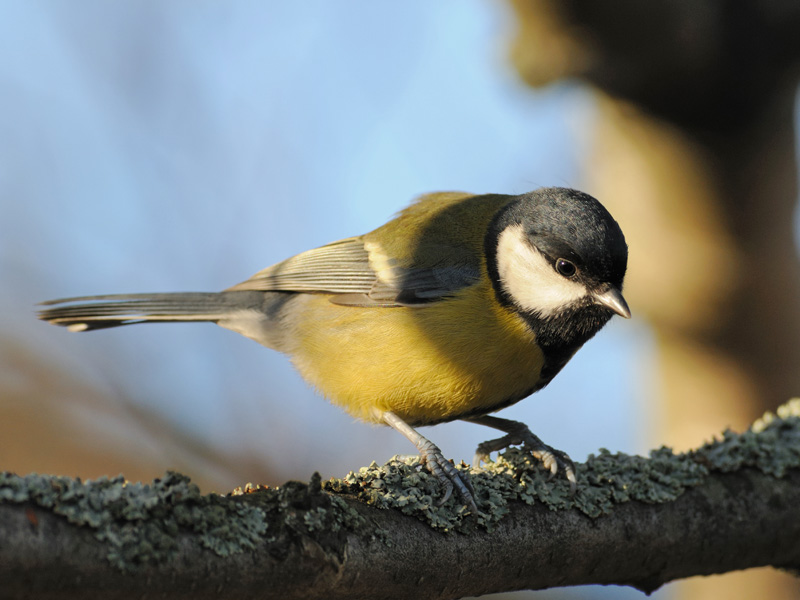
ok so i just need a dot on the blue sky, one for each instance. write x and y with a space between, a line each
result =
185 145
151 146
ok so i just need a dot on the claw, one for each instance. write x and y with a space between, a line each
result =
480 457
573 481
518 433
448 475
547 458
433 459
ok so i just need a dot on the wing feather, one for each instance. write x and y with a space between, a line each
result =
398 264
338 268
356 274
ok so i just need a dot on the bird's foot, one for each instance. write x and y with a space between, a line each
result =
449 477
433 459
518 433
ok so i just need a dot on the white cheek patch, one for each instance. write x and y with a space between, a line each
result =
529 278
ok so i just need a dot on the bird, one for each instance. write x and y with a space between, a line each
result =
460 306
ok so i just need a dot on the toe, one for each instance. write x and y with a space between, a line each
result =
449 477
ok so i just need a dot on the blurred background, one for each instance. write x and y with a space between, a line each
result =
183 146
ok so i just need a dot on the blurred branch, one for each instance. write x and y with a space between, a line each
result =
57 420
705 65
692 148
733 504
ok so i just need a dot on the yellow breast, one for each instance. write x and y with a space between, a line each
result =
426 364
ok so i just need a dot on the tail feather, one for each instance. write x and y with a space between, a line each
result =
87 313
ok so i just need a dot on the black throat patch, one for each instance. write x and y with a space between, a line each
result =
559 336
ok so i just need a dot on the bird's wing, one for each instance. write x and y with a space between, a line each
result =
338 268
357 273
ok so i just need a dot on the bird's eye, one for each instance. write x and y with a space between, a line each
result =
566 268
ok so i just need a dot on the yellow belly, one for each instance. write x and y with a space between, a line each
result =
427 364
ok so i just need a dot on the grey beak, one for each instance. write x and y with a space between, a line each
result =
612 298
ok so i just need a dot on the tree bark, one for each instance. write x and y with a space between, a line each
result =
733 504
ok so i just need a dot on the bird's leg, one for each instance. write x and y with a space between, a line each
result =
518 433
435 461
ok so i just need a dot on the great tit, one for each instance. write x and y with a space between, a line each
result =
460 306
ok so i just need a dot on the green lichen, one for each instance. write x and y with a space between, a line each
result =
296 509
144 523
772 445
401 484
140 522
604 480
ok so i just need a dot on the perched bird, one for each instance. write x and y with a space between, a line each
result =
458 307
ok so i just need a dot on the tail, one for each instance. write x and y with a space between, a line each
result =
86 313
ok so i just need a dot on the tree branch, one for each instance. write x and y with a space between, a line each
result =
732 504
